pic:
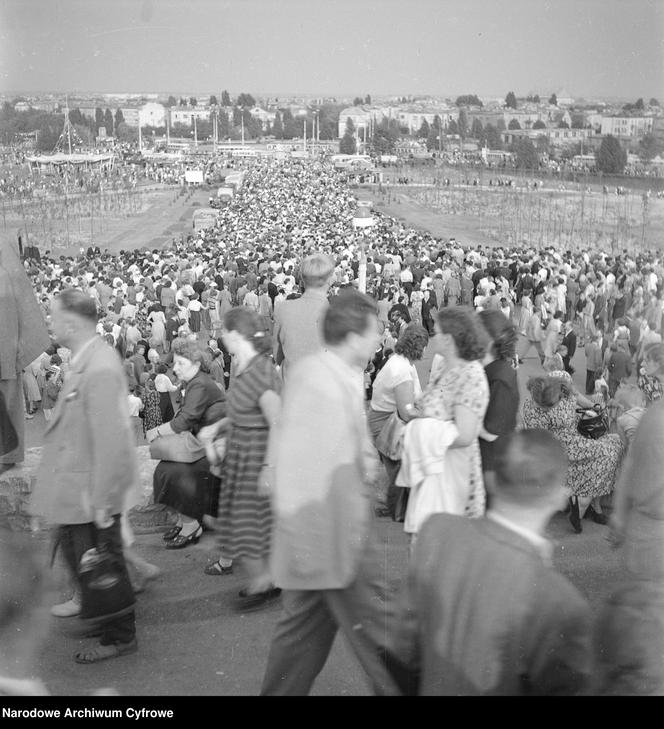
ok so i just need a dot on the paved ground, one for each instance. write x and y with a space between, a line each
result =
192 642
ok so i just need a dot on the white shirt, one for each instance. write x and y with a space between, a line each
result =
396 371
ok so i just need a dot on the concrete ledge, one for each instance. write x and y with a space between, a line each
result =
16 486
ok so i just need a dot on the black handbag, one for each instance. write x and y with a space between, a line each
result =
592 426
106 590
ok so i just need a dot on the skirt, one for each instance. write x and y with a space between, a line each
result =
245 517
166 407
189 488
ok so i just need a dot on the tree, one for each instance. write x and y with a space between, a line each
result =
577 122
610 158
462 123
224 129
386 134
424 130
237 116
348 144
510 100
468 100
367 99
246 100
225 98
562 124
433 140
99 119
193 101
525 154
639 105
75 117
476 129
452 127
172 101
500 125
278 127
514 124
84 133
553 100
653 102
125 133
536 99
108 121
182 101
119 119
542 143
649 147
539 124
357 101
213 101
492 137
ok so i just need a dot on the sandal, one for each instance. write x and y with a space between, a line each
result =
104 652
171 533
216 568
179 542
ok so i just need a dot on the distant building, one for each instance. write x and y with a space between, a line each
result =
185 115
21 106
626 126
360 118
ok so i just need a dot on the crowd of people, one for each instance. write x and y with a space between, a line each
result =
269 360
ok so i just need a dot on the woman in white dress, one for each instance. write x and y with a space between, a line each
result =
157 321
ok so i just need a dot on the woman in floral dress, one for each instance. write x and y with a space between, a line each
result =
593 464
458 390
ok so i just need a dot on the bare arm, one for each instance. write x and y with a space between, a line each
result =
405 395
468 424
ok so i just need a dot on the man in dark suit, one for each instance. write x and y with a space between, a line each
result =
569 341
88 466
483 611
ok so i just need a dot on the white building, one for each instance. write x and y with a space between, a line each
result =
627 126
360 117
152 115
185 115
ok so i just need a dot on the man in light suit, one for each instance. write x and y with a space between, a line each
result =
483 611
298 322
87 467
318 463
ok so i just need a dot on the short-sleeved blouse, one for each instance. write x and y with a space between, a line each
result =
246 389
396 371
465 384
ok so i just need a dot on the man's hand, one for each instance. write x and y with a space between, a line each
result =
102 519
151 434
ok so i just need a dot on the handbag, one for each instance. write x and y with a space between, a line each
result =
180 447
106 590
592 426
390 439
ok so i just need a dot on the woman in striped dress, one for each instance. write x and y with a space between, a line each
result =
245 516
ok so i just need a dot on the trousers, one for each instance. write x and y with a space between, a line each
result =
307 627
74 540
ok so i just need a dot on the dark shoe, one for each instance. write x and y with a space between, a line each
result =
217 569
171 533
597 517
574 518
256 600
179 542
104 652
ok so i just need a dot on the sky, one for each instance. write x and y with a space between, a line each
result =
591 48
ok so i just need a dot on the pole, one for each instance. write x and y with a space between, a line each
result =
195 133
168 130
140 138
304 134
242 119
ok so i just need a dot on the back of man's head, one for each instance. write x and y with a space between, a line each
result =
316 270
76 302
349 311
530 467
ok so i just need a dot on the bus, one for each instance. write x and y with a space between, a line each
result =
204 218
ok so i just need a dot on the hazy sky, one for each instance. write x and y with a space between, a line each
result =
589 47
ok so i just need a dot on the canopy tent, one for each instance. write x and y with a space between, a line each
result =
53 162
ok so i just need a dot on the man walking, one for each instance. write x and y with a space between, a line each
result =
88 465
321 552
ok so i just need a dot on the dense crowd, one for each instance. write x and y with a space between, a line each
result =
223 321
